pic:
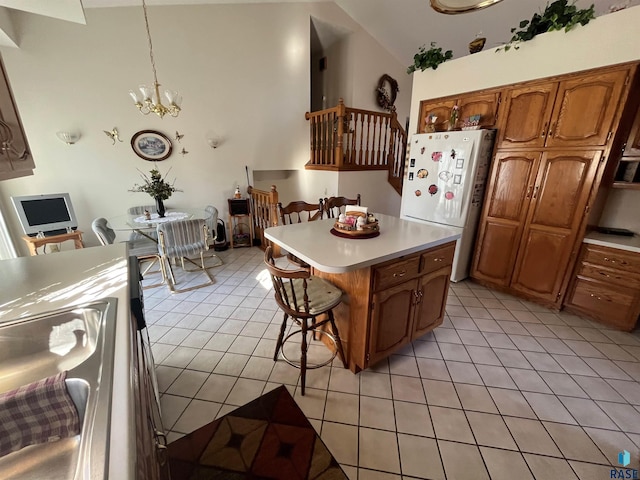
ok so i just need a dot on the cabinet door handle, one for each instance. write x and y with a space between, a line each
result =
528 194
595 296
439 259
544 130
553 127
535 192
401 274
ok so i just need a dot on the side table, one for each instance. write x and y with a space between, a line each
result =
239 217
34 242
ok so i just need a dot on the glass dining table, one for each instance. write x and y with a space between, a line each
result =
146 226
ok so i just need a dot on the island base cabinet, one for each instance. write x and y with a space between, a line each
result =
430 309
388 305
391 320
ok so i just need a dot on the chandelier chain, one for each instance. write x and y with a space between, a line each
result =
153 62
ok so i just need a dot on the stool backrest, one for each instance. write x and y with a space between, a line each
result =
300 211
290 286
332 205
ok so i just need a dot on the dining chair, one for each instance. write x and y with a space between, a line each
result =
143 249
183 239
139 210
305 298
212 225
332 205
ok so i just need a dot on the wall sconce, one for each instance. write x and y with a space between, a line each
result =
213 140
68 137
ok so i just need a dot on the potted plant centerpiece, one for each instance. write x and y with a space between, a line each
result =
157 187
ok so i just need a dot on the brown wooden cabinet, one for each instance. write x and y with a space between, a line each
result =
606 286
391 304
484 104
535 205
576 112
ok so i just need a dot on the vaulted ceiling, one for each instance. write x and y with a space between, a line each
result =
401 26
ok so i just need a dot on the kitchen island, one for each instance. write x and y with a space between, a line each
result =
395 284
36 287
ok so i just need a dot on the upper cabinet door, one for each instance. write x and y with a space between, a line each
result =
485 105
525 118
585 108
441 110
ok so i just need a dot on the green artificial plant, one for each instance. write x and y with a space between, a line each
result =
558 15
429 58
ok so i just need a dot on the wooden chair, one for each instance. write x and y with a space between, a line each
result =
297 212
303 298
332 205
300 211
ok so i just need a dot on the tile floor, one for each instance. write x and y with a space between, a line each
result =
503 389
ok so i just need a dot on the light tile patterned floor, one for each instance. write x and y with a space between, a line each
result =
503 389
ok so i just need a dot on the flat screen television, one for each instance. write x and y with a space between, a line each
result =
51 214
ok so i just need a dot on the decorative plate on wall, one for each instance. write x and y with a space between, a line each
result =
453 7
151 145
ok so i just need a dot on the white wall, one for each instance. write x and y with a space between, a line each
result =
243 71
607 40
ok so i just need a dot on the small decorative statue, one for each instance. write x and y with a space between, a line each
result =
147 214
360 223
237 194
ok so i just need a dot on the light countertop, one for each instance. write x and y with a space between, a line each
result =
36 285
314 243
630 244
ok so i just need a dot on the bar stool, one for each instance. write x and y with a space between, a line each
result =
304 298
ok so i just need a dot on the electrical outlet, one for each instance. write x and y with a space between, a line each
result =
54 247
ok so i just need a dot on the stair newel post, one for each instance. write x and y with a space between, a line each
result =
341 113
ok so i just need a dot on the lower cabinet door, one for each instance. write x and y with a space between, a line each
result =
391 320
433 289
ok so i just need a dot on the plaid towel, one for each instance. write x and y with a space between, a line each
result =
40 412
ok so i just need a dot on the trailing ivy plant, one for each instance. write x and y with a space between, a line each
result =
429 58
558 15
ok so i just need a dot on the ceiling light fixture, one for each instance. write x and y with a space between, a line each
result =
148 100
453 7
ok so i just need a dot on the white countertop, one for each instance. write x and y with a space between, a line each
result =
40 284
630 244
314 243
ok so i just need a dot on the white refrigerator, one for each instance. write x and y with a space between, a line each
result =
444 185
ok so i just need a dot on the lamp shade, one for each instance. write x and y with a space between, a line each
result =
68 137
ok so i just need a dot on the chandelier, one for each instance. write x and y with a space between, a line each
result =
149 100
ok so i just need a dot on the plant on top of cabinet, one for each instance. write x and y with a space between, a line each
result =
558 15
429 58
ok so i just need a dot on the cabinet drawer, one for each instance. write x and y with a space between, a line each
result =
610 304
620 260
609 275
395 273
437 258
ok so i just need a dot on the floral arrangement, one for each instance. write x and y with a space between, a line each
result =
155 185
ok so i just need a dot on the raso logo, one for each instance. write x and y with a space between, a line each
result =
624 459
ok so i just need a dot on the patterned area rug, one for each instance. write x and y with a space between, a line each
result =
269 437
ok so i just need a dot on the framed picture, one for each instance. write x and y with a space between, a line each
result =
151 145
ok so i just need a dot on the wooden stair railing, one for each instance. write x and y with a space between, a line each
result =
264 214
348 139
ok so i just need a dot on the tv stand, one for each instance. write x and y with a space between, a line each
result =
34 242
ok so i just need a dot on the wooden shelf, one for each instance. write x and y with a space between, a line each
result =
627 185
